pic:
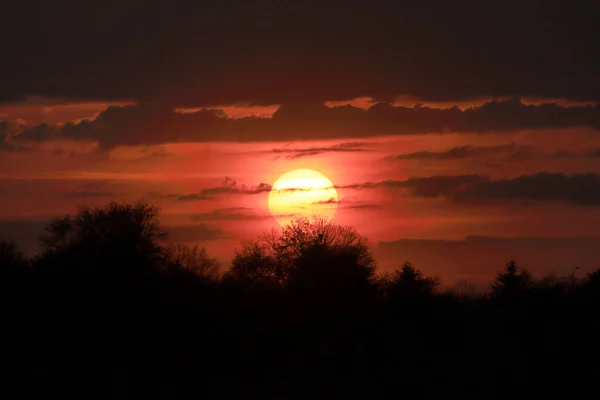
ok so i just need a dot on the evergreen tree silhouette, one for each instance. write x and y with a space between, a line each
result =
511 281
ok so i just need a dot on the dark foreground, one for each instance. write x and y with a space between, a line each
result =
106 312
105 341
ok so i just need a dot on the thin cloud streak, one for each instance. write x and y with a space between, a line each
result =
463 152
576 189
295 153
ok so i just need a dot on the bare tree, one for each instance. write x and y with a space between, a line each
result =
196 260
309 254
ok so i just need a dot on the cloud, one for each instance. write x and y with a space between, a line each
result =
590 153
577 189
362 206
479 258
37 133
87 193
6 142
444 51
434 186
229 214
345 203
3 136
229 186
347 147
329 201
194 197
158 195
154 124
90 190
459 153
196 233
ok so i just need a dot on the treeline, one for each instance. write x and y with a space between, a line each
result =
108 310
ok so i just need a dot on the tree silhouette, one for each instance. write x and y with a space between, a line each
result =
116 237
169 323
591 286
260 263
408 282
58 235
327 257
193 260
512 281
11 258
313 255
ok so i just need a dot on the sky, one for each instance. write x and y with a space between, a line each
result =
458 135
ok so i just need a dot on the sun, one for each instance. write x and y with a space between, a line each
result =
302 192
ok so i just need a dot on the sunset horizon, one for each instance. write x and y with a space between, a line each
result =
409 193
234 199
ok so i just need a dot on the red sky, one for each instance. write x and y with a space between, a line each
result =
456 141
40 179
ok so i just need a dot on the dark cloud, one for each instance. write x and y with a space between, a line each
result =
229 214
151 124
196 233
458 153
229 186
563 153
158 195
38 133
578 189
270 52
90 190
590 153
6 142
347 147
362 206
346 203
329 201
479 258
194 197
595 153
86 193
434 186
3 136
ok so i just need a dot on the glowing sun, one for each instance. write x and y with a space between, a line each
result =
302 192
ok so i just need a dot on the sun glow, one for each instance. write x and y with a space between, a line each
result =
302 192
